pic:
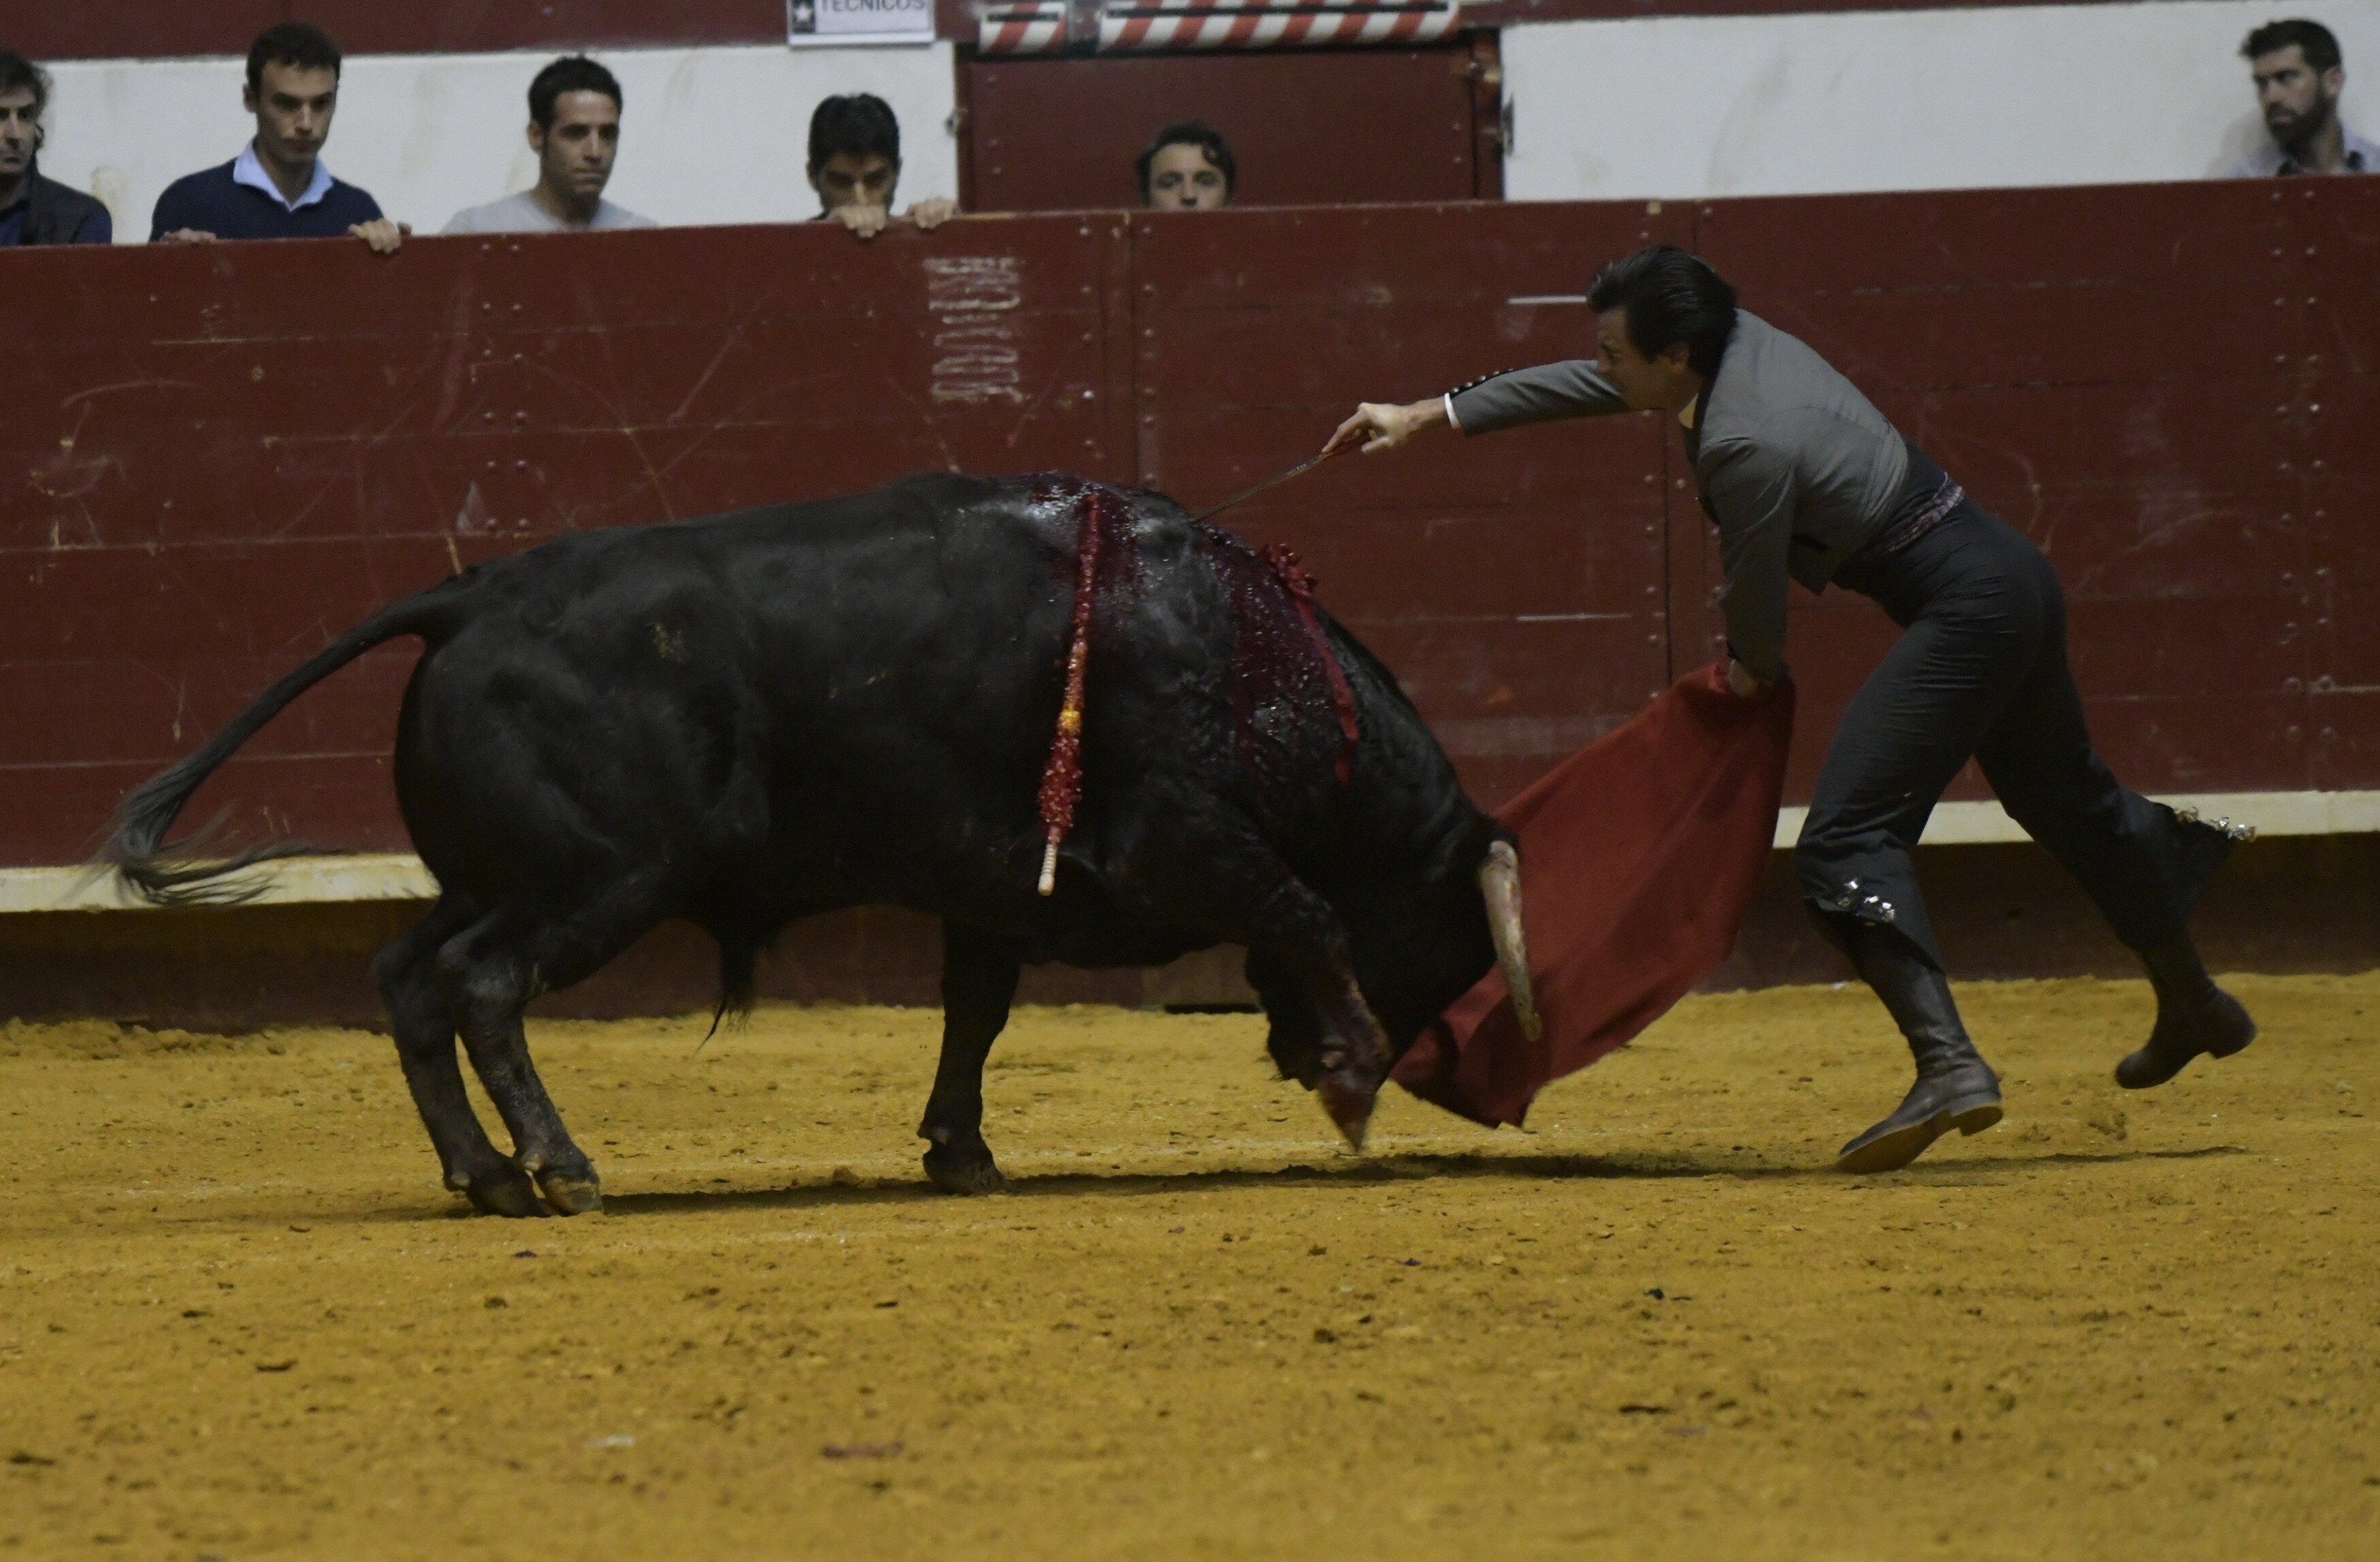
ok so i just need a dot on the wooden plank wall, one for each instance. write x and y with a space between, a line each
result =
210 460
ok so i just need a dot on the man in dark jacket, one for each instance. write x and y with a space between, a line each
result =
1806 481
278 188
34 210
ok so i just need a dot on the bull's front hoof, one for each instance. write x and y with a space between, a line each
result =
1349 1101
506 1191
569 1193
964 1170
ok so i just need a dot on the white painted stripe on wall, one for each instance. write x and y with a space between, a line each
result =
2271 813
291 882
1818 103
396 877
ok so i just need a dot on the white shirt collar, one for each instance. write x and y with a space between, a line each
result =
248 171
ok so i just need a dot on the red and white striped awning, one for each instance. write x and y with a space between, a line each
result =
1024 27
1029 27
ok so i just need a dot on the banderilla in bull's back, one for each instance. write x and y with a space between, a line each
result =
760 717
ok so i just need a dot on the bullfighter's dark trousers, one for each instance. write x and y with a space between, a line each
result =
1980 670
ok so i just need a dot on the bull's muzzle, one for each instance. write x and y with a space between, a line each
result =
1499 884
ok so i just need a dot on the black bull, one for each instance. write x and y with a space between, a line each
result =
759 716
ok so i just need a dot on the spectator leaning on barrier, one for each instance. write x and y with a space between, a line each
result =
854 165
34 210
1189 167
278 188
2299 75
574 127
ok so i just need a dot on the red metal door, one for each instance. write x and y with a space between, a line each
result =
1308 128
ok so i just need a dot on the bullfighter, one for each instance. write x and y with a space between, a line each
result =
1807 481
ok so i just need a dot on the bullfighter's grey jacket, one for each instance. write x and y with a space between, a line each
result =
1794 463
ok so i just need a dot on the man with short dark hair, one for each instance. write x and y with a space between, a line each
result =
2299 76
1188 167
277 188
855 166
1807 481
34 210
574 127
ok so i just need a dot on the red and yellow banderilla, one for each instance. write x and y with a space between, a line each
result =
1061 779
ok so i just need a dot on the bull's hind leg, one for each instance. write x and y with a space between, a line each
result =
424 1027
492 971
979 983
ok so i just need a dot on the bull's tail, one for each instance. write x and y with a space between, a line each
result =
185 872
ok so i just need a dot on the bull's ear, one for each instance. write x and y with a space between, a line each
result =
1500 886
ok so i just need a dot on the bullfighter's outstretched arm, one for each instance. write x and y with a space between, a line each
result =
1573 388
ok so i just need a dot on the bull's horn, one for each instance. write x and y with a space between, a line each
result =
1500 883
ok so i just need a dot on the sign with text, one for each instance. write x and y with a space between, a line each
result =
821 23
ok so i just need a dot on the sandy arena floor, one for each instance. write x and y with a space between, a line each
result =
239 1319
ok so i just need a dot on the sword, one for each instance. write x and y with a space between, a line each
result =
1299 470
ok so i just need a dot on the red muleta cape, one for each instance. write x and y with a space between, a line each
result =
1639 856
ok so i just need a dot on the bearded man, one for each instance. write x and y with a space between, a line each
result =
2299 76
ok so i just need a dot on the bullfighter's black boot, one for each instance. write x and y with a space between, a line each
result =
1955 1087
2195 1016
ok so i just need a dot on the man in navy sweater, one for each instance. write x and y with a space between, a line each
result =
278 188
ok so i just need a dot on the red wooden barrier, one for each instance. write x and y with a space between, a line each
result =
2170 387
225 454
222 455
1516 584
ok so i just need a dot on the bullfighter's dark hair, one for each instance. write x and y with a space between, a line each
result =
291 42
18 74
1670 297
857 124
2321 45
571 73
1191 133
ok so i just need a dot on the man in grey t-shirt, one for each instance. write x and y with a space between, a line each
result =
574 127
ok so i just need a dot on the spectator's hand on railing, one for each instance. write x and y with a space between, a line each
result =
1379 426
933 213
185 236
384 237
865 222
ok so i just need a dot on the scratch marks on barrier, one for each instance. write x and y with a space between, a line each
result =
710 369
972 300
126 385
457 369
69 474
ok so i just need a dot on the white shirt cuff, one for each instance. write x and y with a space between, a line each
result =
1452 421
